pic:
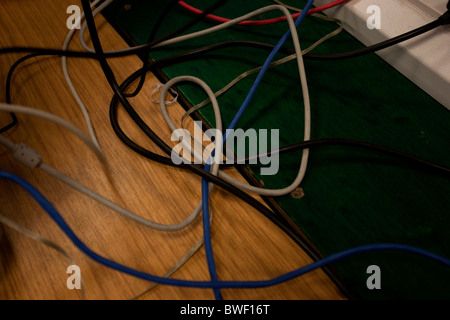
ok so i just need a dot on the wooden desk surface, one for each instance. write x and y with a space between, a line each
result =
247 246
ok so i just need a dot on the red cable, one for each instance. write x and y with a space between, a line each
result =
260 22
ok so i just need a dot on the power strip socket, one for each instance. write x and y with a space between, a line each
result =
425 60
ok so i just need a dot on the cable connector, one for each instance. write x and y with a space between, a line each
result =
27 155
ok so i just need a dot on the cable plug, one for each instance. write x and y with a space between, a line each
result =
27 155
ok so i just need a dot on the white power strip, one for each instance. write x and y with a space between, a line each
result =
425 60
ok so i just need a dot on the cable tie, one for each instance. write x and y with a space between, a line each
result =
27 155
158 87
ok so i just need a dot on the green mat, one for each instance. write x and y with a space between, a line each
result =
351 196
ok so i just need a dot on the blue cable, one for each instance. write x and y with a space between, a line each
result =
207 237
266 65
249 97
53 213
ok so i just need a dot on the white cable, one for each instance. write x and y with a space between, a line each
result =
218 119
72 87
215 104
99 198
304 86
223 25
114 206
7 143
183 37
58 120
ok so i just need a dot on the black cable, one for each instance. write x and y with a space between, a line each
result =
164 147
67 53
426 164
14 121
8 90
442 20
151 42
199 170
274 217
160 20
162 62
101 57
167 161
143 126
38 51
129 52
165 61
216 46
145 55
301 145
136 50
11 125
11 71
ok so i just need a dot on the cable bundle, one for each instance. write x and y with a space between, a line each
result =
210 174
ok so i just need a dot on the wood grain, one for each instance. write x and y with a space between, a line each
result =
246 245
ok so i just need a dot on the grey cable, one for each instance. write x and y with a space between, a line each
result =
99 198
41 239
175 267
307 129
7 143
273 64
57 120
72 87
304 85
113 206
214 168
198 245
215 165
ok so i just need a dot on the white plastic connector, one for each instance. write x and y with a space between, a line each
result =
27 155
